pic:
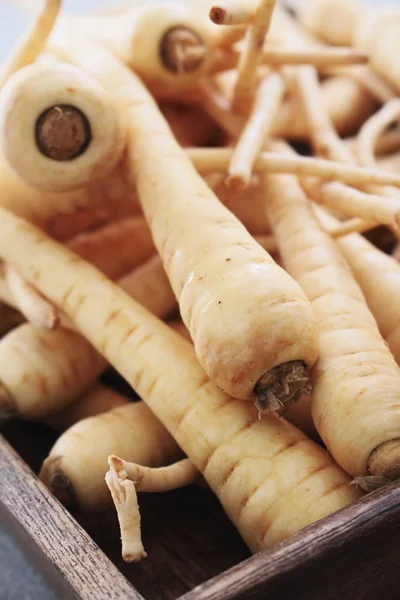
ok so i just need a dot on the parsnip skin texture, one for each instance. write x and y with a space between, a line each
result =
245 314
26 366
77 464
52 369
260 469
356 383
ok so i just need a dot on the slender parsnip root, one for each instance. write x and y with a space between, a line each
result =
251 57
211 274
77 464
270 478
32 42
356 383
372 130
124 496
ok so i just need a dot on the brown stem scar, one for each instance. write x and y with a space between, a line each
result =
217 15
182 50
282 386
63 133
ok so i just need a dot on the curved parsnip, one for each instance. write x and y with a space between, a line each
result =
252 327
67 124
43 371
77 464
356 383
374 271
270 478
168 44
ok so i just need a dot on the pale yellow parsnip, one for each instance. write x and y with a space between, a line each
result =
79 456
356 383
245 314
50 369
260 469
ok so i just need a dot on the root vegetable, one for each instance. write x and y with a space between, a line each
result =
332 20
143 479
67 124
355 106
64 215
43 371
77 464
253 357
271 479
256 131
217 159
233 13
168 44
124 496
374 271
250 58
354 359
32 42
372 130
391 162
30 303
117 248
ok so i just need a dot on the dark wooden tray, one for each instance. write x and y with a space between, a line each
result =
194 551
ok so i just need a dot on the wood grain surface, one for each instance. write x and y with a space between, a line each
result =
186 533
352 555
65 551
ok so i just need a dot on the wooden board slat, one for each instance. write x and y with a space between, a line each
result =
68 555
352 555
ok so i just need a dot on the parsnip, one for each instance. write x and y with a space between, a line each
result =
77 464
69 128
43 371
356 393
271 480
117 248
247 350
250 59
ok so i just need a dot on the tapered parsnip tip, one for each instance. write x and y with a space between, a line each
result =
182 50
58 483
385 461
237 182
8 406
282 386
115 463
135 556
63 133
217 15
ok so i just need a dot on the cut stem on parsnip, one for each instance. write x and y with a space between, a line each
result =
32 42
251 57
373 129
266 105
239 455
233 13
67 124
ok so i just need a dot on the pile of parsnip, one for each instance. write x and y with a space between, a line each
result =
148 164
